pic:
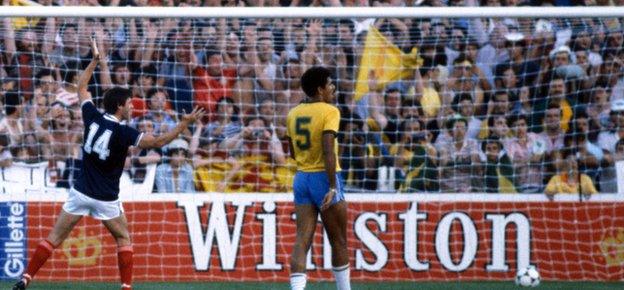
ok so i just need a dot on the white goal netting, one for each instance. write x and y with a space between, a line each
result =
470 106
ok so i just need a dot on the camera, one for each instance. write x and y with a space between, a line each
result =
418 136
257 133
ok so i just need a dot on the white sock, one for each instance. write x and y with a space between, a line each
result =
342 277
297 281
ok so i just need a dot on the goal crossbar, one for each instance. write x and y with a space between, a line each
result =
311 12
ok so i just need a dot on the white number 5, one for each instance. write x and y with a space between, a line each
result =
101 144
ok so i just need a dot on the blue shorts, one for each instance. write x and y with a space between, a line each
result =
311 187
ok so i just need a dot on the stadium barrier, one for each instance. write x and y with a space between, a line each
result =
216 237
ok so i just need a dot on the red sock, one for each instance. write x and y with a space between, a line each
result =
124 261
41 255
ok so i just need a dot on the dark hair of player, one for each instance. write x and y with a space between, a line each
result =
114 98
313 79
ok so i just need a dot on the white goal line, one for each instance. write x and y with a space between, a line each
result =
311 12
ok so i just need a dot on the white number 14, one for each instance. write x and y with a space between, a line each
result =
101 144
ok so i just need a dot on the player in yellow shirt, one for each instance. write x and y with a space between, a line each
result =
311 128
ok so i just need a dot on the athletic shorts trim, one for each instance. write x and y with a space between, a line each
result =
311 187
80 204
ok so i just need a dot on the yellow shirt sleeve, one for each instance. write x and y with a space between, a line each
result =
551 187
288 117
332 120
588 185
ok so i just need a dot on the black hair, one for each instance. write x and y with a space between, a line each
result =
460 98
253 117
619 143
114 98
149 71
154 91
44 72
500 92
119 65
553 106
433 128
411 103
469 41
392 90
263 28
580 114
4 139
67 26
11 101
313 79
210 51
230 101
514 118
69 71
348 23
460 59
557 77
451 123
492 139
492 118
404 123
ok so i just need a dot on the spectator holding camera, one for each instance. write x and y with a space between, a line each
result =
226 123
260 152
568 179
215 168
416 158
358 158
499 172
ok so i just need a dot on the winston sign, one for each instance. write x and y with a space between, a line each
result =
249 237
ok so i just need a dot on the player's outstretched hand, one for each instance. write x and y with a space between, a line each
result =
196 114
329 196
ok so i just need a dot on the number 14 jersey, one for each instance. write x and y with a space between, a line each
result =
104 149
306 124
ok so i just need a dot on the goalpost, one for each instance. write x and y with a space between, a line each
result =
405 76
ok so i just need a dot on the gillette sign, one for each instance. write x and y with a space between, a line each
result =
12 239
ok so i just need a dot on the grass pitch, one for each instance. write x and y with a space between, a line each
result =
322 285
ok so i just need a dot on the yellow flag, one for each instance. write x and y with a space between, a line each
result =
386 60
21 22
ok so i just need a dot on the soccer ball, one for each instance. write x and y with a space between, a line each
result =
528 277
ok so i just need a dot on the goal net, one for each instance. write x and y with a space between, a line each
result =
470 146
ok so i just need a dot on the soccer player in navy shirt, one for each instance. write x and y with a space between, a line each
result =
106 142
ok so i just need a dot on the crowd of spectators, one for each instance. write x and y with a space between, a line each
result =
498 105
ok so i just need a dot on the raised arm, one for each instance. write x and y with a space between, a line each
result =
9 36
105 77
83 81
149 141
48 38
150 34
195 138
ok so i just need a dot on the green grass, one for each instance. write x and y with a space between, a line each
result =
324 285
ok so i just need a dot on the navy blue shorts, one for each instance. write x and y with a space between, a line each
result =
311 187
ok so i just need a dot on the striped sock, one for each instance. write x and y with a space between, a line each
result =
297 281
341 274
